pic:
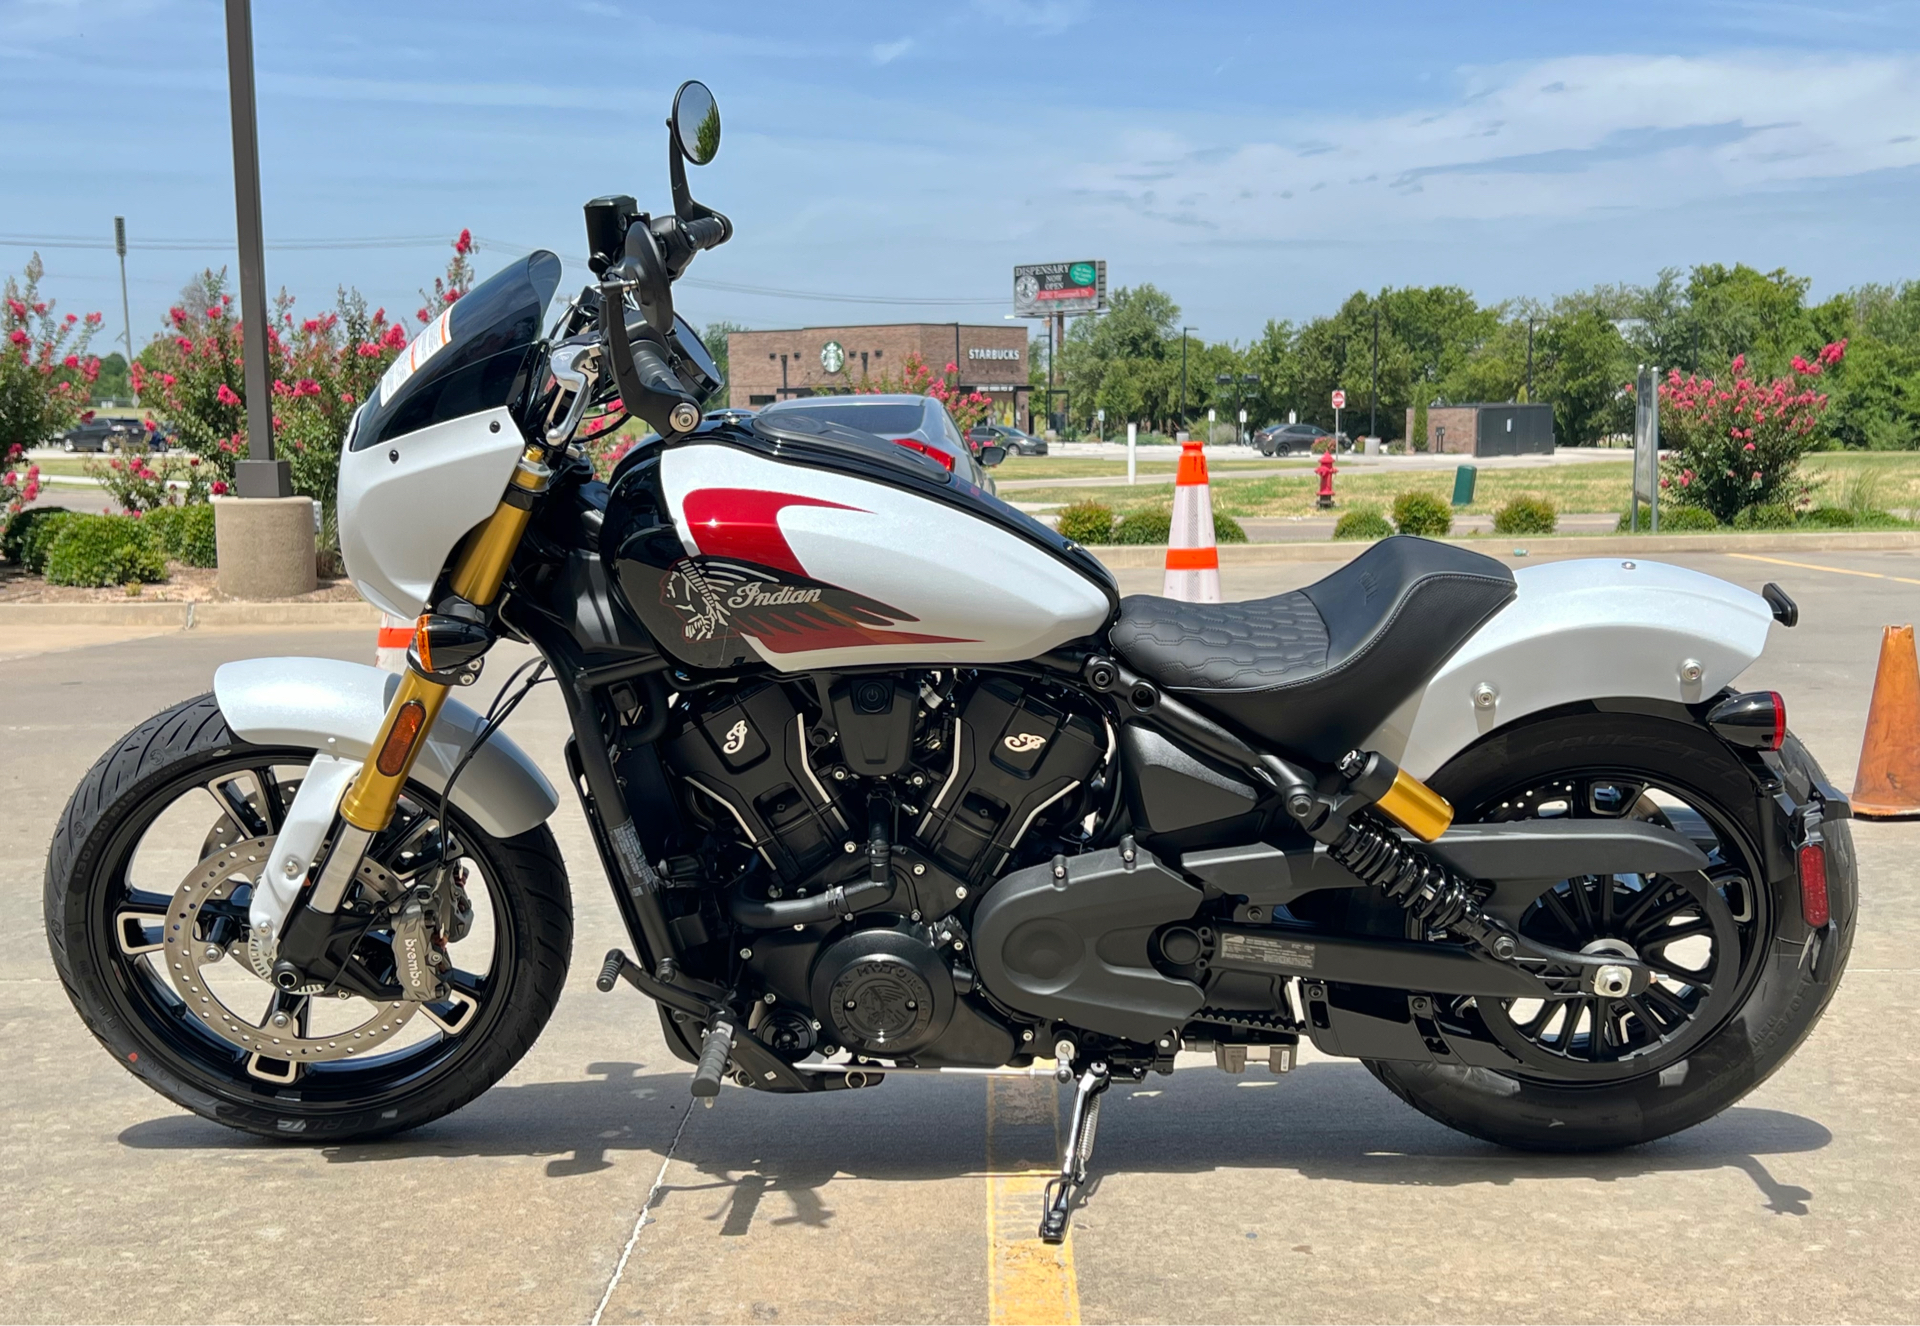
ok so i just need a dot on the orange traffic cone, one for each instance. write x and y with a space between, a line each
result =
391 645
1887 785
1193 562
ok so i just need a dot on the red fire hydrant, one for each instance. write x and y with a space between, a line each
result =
1326 470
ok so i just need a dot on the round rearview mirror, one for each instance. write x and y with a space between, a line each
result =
696 123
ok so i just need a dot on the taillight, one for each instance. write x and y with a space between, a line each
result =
930 452
1813 884
1756 720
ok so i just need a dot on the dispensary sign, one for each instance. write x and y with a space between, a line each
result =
1043 289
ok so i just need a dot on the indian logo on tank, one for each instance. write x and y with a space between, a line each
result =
736 738
1022 742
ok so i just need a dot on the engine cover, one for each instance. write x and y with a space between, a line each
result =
885 992
1067 941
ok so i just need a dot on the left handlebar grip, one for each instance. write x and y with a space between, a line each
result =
708 231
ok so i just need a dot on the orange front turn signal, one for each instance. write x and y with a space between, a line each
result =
400 739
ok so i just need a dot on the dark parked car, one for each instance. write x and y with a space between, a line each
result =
1015 442
102 435
919 423
1296 439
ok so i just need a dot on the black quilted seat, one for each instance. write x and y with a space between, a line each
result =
1315 670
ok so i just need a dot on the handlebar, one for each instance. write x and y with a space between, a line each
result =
708 231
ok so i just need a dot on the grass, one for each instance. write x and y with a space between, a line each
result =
1600 486
1088 467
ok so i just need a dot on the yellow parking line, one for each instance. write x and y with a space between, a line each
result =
1835 570
1028 1282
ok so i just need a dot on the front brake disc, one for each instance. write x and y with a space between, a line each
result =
214 880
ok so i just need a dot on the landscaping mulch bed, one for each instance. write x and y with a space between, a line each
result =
184 584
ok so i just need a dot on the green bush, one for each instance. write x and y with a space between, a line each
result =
1087 522
28 535
1156 527
1423 514
1830 517
1766 515
1673 520
1526 515
105 550
1362 522
185 532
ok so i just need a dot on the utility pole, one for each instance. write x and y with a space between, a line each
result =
126 318
260 475
1529 361
1373 403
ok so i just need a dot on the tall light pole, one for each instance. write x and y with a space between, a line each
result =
1182 423
126 318
259 475
1529 361
1373 392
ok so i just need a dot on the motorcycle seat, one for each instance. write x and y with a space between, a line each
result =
1315 670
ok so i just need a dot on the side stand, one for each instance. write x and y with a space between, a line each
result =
1073 1167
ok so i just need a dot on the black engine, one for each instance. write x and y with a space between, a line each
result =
851 824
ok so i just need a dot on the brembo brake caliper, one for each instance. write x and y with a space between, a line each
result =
1426 887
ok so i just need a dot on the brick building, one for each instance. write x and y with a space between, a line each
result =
1488 429
768 366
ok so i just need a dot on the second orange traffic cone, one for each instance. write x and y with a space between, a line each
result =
1193 561
391 645
1887 785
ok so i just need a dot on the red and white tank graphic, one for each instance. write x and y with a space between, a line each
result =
818 570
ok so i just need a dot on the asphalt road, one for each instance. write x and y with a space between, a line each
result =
584 1188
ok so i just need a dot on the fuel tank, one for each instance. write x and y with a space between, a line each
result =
825 551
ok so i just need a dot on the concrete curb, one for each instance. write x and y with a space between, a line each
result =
189 616
1592 545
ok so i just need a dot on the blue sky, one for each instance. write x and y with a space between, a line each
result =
1254 160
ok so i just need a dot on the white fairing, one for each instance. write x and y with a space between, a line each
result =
1582 630
406 503
963 590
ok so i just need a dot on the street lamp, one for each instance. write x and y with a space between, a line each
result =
1183 375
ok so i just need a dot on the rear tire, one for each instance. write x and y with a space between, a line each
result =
143 1023
1780 997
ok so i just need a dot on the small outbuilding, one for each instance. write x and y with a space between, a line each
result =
1488 429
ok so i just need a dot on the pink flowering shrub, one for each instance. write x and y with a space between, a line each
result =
46 375
322 369
141 481
969 409
1737 442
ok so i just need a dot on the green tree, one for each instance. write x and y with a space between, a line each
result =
715 338
1586 367
112 384
1739 310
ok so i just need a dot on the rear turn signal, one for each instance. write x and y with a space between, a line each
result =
1756 720
1813 884
930 452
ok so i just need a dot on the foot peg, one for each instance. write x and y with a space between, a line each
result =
714 1053
1073 1167
613 970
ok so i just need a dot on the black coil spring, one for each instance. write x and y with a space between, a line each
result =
1440 898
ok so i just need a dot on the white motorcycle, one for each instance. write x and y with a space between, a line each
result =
888 778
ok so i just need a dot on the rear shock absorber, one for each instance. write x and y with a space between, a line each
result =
1429 890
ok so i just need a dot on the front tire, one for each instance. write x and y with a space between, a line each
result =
1778 991
183 788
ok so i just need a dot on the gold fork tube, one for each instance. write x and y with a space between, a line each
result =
477 576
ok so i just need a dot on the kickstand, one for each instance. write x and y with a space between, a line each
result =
1073 1167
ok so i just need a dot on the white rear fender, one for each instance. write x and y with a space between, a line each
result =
335 708
1581 630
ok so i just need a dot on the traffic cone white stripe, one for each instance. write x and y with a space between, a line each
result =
392 643
1193 562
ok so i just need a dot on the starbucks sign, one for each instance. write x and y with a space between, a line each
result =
833 357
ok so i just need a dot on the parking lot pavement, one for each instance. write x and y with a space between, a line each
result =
583 1187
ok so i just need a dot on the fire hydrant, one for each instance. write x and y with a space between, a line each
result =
1326 470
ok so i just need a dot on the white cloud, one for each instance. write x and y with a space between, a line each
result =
1557 139
1041 16
888 52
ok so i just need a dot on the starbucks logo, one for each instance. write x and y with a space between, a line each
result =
832 357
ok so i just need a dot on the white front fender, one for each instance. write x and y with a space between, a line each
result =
1581 630
336 708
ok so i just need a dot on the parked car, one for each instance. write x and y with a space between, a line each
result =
919 423
101 434
1013 440
1296 439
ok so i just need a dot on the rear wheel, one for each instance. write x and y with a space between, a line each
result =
147 892
1736 989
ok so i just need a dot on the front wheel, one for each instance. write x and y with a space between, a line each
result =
147 890
1740 981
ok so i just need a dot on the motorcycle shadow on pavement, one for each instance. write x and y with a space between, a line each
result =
1328 1122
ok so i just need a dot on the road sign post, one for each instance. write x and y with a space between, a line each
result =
1646 449
1133 441
1339 404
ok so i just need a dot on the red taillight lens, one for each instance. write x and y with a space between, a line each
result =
1756 720
1813 884
1779 720
930 452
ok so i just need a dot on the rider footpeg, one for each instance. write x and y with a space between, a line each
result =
1072 1179
714 1053
613 970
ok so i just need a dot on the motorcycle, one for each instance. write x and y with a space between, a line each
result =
888 778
